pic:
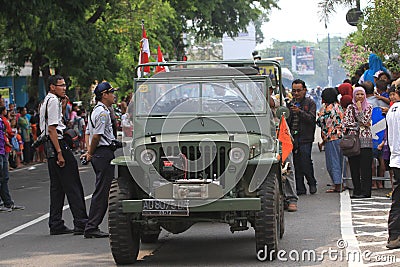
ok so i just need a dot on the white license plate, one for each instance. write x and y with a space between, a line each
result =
166 207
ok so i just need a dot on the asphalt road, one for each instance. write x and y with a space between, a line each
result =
25 239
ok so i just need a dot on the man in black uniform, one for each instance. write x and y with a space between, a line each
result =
99 139
62 165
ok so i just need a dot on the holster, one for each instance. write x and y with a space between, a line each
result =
49 149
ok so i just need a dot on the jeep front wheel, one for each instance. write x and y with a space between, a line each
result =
267 220
124 234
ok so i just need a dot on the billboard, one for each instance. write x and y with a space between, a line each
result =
303 60
241 46
5 94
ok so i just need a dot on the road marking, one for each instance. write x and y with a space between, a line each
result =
369 244
377 234
25 168
35 221
377 217
347 230
369 210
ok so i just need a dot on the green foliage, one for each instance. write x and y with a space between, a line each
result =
378 34
327 7
88 41
216 17
381 27
393 63
354 53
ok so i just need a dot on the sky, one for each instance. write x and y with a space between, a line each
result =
299 20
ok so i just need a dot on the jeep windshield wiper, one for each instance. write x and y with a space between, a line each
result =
240 90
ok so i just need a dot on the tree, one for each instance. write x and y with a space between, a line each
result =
213 18
381 27
99 40
327 7
57 35
354 53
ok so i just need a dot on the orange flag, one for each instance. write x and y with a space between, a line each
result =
285 138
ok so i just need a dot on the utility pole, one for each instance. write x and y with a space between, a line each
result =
329 63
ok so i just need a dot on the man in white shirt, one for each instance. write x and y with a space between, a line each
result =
393 129
62 165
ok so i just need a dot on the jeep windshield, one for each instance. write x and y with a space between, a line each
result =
227 97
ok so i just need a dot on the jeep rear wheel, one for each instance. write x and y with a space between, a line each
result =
124 234
267 220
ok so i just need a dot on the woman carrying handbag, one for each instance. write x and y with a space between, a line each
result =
357 120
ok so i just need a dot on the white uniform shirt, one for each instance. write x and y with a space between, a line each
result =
100 116
54 115
393 128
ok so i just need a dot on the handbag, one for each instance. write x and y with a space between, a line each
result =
350 143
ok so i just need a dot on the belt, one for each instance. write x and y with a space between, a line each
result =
103 146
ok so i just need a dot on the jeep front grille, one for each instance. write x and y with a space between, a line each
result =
201 164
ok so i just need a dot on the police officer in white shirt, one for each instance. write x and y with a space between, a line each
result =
99 137
393 129
62 165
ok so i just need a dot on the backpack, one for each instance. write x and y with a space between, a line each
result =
71 138
15 143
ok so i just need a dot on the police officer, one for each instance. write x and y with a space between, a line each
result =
99 136
62 165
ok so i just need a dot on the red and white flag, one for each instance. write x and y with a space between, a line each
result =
160 58
144 53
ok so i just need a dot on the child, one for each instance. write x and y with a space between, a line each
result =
17 143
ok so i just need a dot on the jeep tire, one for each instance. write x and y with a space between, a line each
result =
267 220
124 234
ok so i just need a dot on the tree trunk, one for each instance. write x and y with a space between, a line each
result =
45 71
33 89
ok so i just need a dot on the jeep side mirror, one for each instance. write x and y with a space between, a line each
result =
281 110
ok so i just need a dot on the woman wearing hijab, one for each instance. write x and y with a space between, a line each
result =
345 89
357 120
330 121
375 64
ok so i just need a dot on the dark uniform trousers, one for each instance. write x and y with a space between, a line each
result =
101 162
394 214
66 181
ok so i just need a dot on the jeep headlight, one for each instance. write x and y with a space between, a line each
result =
236 155
148 156
267 145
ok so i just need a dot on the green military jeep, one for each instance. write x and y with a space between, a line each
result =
204 149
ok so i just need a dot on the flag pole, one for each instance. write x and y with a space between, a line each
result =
141 69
